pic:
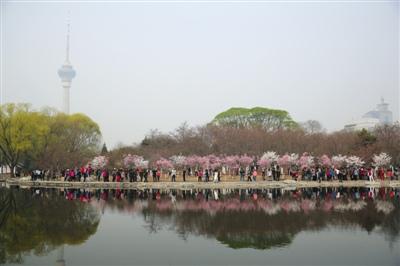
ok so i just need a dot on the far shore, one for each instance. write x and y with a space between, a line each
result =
288 184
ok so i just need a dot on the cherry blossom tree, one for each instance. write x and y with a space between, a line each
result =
214 161
99 162
164 164
268 158
289 159
245 160
325 160
130 161
306 161
204 162
382 159
231 162
192 161
354 161
178 161
339 160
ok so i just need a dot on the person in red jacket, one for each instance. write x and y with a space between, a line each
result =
158 175
118 176
381 174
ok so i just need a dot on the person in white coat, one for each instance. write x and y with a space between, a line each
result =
215 176
371 175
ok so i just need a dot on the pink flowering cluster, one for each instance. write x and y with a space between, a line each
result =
306 160
232 162
131 161
268 158
164 164
99 162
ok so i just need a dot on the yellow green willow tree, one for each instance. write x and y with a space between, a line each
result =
21 131
47 139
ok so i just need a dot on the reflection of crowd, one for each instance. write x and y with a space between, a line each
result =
237 196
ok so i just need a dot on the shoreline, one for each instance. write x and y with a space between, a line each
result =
290 184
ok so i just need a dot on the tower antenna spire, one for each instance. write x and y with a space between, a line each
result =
68 30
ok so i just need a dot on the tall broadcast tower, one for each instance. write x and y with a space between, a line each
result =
66 74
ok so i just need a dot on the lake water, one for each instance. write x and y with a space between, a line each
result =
335 226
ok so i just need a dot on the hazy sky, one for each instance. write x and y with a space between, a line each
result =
142 66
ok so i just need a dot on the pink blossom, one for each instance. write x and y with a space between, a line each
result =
288 159
325 160
99 162
164 164
306 160
231 161
245 160
130 161
268 158
192 161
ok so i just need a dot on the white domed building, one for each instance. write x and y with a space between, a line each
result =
380 116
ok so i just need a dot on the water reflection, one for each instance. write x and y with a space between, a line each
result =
259 219
39 221
42 220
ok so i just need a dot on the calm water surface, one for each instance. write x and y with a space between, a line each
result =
333 226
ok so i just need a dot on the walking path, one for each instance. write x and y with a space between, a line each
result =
201 185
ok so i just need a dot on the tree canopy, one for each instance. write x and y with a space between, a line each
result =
45 139
257 117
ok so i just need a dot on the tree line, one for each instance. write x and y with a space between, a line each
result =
227 140
45 139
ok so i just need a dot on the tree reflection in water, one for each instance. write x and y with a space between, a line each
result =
261 219
39 221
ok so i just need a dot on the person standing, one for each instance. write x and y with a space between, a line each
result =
241 173
105 175
215 176
173 175
154 174
98 174
254 175
158 174
145 174
278 172
118 176
371 175
131 175
114 174
184 175
381 174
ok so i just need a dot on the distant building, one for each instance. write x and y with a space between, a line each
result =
66 74
378 117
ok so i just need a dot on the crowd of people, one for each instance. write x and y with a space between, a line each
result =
250 173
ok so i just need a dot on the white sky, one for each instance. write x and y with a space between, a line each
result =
142 66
